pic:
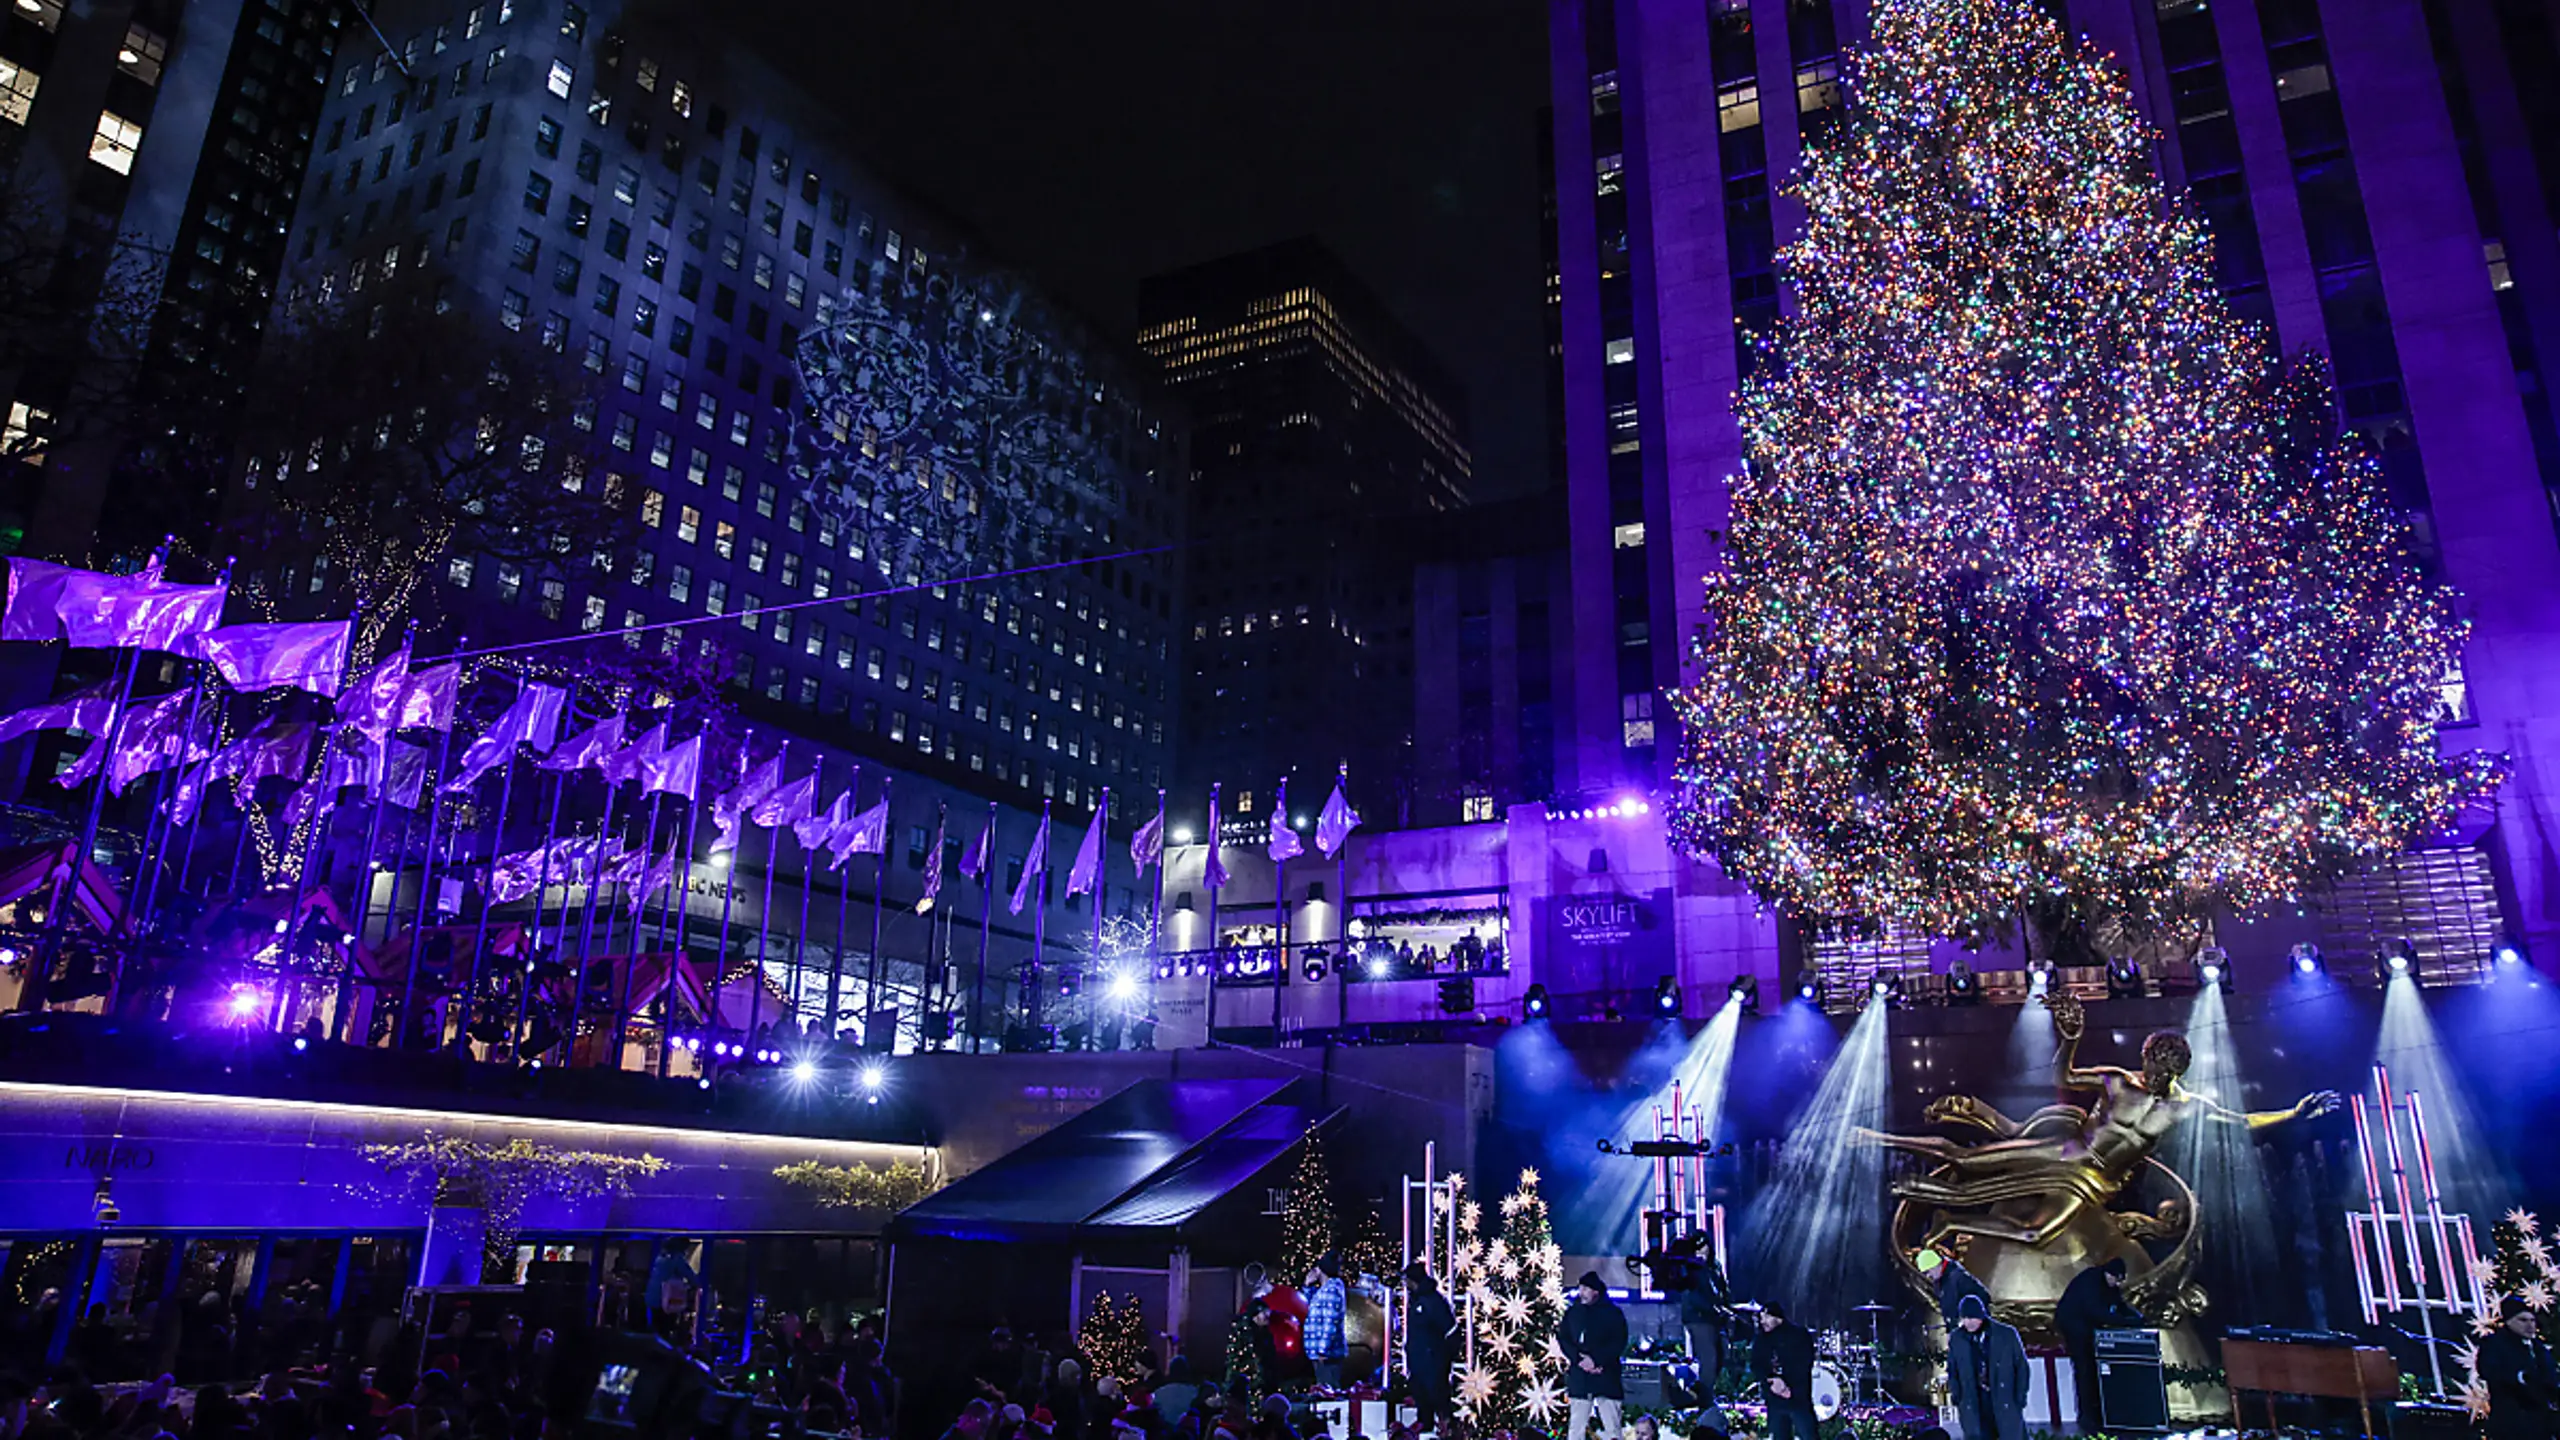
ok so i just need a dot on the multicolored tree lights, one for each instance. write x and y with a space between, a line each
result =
2047 592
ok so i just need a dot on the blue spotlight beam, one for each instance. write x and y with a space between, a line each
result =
1815 1235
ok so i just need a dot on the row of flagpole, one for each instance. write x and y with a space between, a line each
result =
357 748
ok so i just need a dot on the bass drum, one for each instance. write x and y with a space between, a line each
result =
1827 1390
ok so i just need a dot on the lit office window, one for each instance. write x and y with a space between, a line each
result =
142 54
1738 107
114 143
563 79
17 91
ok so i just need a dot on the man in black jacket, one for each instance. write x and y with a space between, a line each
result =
1693 1272
1430 1328
1783 1358
1593 1336
2524 1386
1987 1371
2093 1301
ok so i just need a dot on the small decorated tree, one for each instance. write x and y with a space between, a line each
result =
1308 1224
2520 1263
1114 1337
1512 1293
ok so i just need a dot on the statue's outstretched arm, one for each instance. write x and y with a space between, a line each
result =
2070 1020
2309 1107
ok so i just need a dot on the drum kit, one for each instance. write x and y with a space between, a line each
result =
1848 1371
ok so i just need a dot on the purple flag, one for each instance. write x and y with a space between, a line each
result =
427 698
87 711
372 703
1337 821
155 732
534 719
822 827
137 610
187 794
973 861
1085 875
1284 841
274 748
1034 865
85 768
588 749
264 657
633 760
789 804
1216 873
35 599
933 863
751 791
1146 848
676 771
866 834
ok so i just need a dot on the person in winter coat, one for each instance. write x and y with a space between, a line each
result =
1987 1370
1593 1336
1431 1328
2524 1386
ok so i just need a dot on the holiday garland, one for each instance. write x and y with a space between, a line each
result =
500 1178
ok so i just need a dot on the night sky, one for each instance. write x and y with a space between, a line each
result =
1092 144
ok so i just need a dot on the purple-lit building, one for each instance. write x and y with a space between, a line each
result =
2378 176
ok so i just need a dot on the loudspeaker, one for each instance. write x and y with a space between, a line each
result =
2133 1394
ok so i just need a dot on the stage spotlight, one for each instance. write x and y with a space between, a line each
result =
2039 979
2400 960
2307 961
301 1043
1666 997
1535 1005
1121 988
2213 967
2124 978
244 1003
803 1071
1745 992
1963 986
875 1078
1380 961
2508 954
1884 990
1317 964
1808 985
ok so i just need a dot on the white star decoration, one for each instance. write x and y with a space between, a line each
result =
2484 1271
2536 1293
1515 1310
1555 1351
2537 1250
1529 1179
2523 1220
2475 1397
1475 1386
2484 1324
1542 1399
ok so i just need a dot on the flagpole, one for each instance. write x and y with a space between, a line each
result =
426 887
986 930
57 913
156 853
631 967
800 936
587 923
1209 875
364 906
1102 874
764 911
877 970
728 896
1342 927
844 885
319 823
1155 915
488 899
682 884
541 901
1039 914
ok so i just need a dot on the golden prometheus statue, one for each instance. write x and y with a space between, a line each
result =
2035 1203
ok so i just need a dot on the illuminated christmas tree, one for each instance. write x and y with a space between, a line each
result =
1114 1337
1308 1226
1510 1293
2044 591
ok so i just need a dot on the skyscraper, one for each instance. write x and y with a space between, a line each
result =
1319 425
803 388
2376 176
151 152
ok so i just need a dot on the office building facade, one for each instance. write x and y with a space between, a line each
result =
151 154
1320 428
2376 175
802 388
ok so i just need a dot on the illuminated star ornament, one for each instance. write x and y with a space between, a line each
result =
1543 1399
2047 588
1475 1386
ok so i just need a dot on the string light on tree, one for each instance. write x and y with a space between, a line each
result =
2044 588
1114 1337
1308 1224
